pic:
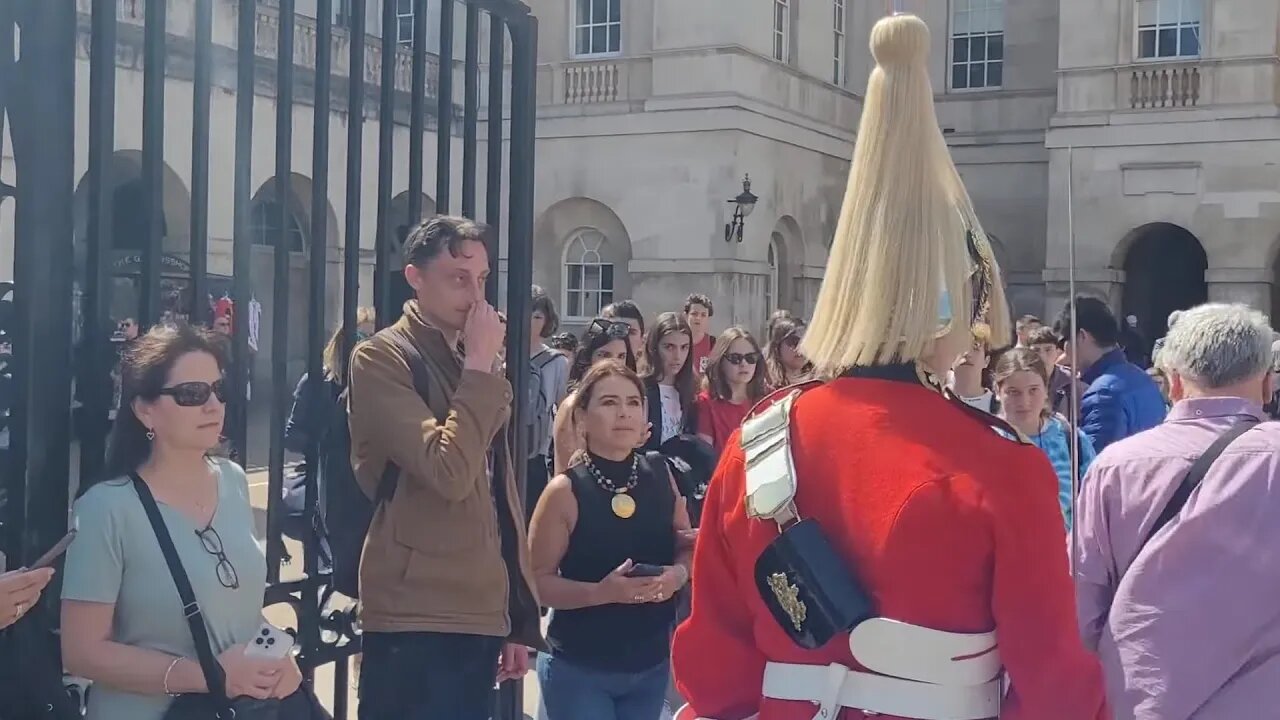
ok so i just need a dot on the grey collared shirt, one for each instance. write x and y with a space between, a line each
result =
1190 628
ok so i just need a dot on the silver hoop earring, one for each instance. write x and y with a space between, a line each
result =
151 434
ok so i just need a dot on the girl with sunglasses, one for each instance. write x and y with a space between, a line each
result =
602 341
784 363
123 624
735 381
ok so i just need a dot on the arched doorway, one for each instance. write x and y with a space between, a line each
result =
1164 268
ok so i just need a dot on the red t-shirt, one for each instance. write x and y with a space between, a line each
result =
717 419
700 351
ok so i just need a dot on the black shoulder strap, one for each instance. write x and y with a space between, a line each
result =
213 674
1196 474
421 385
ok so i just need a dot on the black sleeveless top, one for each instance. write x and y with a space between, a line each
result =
616 638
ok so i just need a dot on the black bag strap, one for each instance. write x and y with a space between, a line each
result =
1195 475
214 677
421 385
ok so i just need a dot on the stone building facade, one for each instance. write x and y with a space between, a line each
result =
1148 128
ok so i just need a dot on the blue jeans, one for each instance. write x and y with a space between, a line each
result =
573 692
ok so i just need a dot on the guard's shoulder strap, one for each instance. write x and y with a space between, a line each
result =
766 448
998 425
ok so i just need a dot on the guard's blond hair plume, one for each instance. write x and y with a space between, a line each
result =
900 241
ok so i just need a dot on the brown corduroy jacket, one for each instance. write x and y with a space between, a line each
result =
448 551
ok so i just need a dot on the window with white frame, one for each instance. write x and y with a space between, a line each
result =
588 277
838 29
782 30
404 22
1169 28
597 27
977 44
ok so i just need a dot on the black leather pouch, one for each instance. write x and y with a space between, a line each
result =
809 588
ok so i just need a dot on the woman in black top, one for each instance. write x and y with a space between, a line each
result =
604 541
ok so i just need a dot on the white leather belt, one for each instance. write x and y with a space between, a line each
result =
835 686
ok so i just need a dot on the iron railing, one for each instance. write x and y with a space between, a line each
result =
38 98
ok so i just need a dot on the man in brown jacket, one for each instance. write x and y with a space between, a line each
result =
448 604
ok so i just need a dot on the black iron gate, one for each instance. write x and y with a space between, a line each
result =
61 355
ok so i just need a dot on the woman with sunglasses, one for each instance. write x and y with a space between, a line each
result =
735 381
602 341
123 624
784 363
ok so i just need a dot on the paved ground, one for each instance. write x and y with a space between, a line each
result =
284 616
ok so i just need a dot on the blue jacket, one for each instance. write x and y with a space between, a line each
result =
1122 400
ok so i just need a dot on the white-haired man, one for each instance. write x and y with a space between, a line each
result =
1177 579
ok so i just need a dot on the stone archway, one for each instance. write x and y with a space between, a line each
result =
129 238
1164 266
786 253
582 257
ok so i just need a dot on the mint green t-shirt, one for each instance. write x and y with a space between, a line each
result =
115 559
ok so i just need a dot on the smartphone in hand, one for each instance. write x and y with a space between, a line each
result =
642 570
55 552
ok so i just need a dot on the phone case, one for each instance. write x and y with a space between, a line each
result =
270 643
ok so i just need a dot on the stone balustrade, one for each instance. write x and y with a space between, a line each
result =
1164 85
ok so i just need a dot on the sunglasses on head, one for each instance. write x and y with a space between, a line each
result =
612 328
195 394
791 341
740 358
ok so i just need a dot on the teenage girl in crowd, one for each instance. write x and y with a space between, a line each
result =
668 379
602 340
735 381
1022 385
784 363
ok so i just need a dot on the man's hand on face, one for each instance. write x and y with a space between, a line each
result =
484 335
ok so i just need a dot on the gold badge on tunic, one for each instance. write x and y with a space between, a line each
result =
788 596
624 506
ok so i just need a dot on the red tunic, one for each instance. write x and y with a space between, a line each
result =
947 524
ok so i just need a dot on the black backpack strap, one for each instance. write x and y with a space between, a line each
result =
1195 475
421 384
213 674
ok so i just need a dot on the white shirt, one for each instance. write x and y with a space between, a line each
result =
672 412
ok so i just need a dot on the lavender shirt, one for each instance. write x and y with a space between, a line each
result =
1191 627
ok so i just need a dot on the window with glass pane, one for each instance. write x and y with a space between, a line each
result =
597 27
588 285
1169 28
264 226
837 66
782 30
404 22
977 44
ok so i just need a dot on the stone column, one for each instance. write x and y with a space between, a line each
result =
1251 286
1098 281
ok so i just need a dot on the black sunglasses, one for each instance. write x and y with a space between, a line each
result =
791 341
740 358
612 328
195 394
212 543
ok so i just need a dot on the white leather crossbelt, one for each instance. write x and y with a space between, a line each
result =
916 672
835 687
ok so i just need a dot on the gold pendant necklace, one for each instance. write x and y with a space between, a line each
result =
622 504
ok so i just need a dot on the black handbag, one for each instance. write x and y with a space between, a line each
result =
215 705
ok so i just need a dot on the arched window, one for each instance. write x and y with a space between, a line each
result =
588 279
264 226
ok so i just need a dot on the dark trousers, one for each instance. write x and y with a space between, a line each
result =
428 676
535 483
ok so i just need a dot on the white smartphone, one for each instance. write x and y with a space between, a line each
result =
271 643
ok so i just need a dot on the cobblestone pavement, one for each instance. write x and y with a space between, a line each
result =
283 616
